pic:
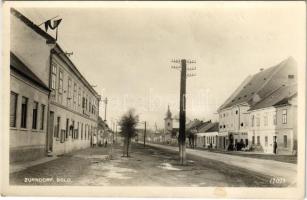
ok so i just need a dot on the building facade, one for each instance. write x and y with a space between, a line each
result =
61 101
239 127
73 112
28 112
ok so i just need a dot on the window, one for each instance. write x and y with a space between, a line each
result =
284 116
258 140
265 120
77 134
57 129
285 141
253 120
253 140
258 121
67 128
13 109
60 82
242 124
75 95
79 97
34 115
69 92
81 131
237 112
274 119
266 140
24 110
53 75
73 129
42 116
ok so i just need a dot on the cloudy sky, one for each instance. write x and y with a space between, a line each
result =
125 50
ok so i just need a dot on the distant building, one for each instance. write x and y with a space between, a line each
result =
234 115
207 135
170 133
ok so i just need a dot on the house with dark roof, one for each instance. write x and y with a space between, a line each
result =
207 135
28 112
234 115
273 126
72 106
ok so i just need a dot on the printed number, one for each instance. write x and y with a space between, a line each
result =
277 180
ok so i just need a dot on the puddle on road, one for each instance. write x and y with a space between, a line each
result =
110 170
168 166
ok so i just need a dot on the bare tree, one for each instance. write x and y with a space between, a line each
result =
128 123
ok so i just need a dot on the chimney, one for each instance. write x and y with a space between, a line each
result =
291 79
261 69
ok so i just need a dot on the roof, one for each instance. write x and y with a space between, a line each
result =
285 101
33 26
51 39
18 66
194 124
254 89
206 127
214 127
279 96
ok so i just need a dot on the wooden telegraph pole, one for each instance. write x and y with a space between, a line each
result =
145 134
182 112
181 138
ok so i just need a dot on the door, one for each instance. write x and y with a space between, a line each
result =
50 132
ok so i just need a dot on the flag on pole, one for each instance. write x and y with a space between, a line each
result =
49 25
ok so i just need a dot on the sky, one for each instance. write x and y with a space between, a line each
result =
126 51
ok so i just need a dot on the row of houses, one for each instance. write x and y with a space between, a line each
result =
260 115
53 108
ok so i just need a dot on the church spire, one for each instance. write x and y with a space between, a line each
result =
168 114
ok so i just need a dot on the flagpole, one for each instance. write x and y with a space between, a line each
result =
47 20
56 34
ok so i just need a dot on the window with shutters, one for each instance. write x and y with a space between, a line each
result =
42 116
13 109
34 115
24 111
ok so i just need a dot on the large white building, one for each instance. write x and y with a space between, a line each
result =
274 120
58 106
234 114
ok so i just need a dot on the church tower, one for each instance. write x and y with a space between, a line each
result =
168 121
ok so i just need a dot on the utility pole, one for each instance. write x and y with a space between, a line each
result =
105 108
182 112
145 134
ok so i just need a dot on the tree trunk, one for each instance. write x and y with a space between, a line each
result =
125 146
128 143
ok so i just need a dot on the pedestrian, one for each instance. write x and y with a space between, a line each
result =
106 144
275 147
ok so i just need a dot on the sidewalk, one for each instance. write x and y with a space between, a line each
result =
93 153
19 166
267 167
